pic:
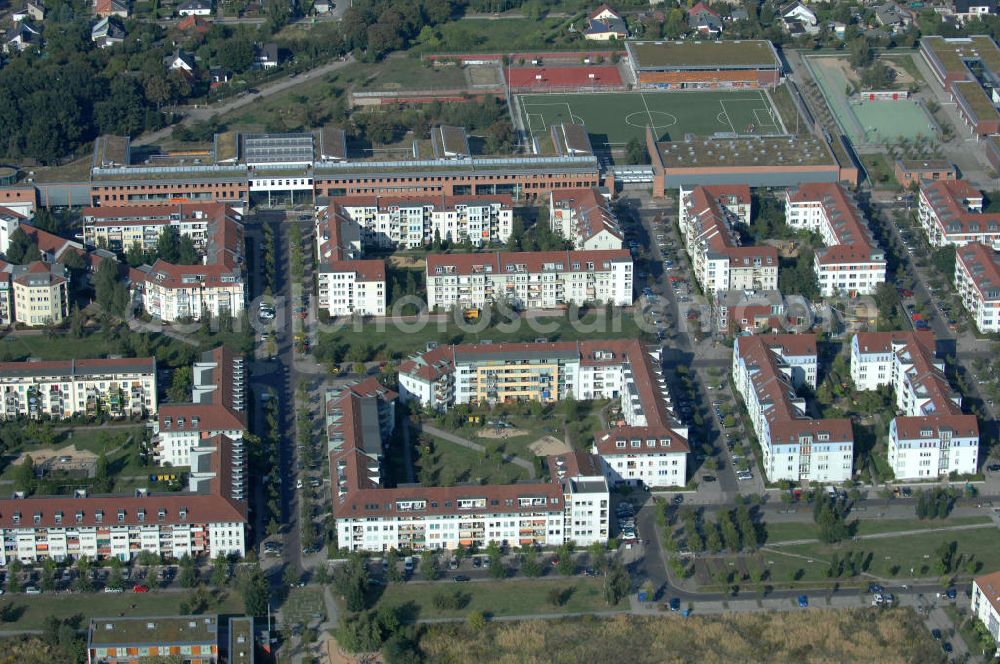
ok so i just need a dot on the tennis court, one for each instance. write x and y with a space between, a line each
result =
613 119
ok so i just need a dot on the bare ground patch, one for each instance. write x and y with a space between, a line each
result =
499 434
548 446
407 262
45 454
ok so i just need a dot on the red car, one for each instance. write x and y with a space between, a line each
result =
139 588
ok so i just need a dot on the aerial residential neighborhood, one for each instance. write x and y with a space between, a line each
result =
450 331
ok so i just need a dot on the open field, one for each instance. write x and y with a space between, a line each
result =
784 532
58 346
450 464
813 636
381 339
33 609
304 606
615 119
413 74
498 598
499 35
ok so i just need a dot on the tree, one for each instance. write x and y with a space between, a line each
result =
255 591
616 583
498 570
49 575
530 567
83 583
188 577
428 565
24 476
168 246
352 582
18 247
106 286
180 384
134 255
829 515
636 152
220 570
565 564
103 481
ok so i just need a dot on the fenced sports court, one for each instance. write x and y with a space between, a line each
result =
883 121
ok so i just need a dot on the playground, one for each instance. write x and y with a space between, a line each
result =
613 119
863 120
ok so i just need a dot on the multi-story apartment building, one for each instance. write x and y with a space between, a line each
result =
584 217
68 388
572 504
986 602
218 407
207 519
851 263
355 287
706 219
529 279
133 640
977 280
120 228
409 222
931 437
767 369
651 448
173 293
951 212
35 294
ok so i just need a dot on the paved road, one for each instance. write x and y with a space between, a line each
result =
465 442
192 115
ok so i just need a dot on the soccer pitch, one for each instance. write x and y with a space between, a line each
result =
613 119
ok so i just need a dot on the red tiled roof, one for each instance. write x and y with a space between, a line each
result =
591 210
854 241
213 417
948 200
169 275
989 586
983 266
366 270
911 428
604 7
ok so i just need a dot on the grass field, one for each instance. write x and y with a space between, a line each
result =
862 635
498 598
304 606
615 119
32 610
784 532
383 339
451 464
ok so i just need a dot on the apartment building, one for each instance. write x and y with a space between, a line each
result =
131 640
650 448
205 520
571 505
986 602
706 219
951 213
408 222
767 370
120 228
757 312
931 438
174 293
851 263
977 281
584 217
35 294
529 279
218 407
348 288
62 389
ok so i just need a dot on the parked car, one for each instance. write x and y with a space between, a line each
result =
140 588
936 634
803 601
32 590
675 604
461 578
951 593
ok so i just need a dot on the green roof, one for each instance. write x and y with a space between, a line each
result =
241 641
696 55
179 630
762 152
976 98
952 53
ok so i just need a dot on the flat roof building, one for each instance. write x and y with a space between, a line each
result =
707 64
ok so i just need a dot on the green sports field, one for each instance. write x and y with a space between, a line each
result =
612 119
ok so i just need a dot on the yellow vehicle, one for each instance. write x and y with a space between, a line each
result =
471 315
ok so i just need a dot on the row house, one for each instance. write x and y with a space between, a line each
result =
707 217
584 217
977 282
62 389
930 437
529 279
851 263
767 371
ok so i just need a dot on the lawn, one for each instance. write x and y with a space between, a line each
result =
383 338
501 35
451 464
900 553
498 598
784 532
816 635
881 173
413 74
615 119
15 347
782 98
34 609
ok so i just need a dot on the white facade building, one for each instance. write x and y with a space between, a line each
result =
584 217
529 279
766 371
986 602
931 438
951 213
355 287
977 280
706 217
408 222
67 388
851 263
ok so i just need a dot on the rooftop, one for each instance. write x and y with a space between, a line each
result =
981 105
178 630
685 54
953 53
746 152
